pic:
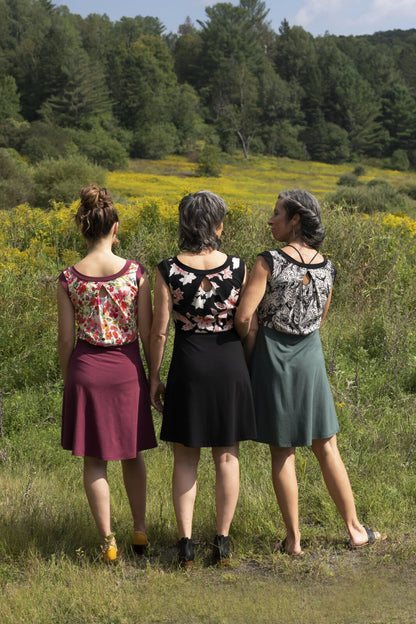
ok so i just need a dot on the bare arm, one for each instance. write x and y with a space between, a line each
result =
325 312
158 337
144 316
66 329
245 318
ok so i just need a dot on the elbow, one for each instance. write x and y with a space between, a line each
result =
65 343
241 323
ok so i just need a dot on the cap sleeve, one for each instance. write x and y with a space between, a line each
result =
63 281
164 268
269 259
141 270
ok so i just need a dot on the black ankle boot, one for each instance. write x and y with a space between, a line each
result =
221 550
185 552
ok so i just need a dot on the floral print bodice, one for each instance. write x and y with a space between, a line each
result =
196 309
290 306
105 307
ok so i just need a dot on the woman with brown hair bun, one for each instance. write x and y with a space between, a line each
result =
106 407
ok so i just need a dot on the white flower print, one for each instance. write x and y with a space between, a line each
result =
196 309
188 278
199 302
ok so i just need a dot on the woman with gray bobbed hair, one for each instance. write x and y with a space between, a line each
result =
208 400
291 290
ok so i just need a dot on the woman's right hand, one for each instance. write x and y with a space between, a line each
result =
157 394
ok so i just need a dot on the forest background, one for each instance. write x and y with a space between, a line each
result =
86 100
108 91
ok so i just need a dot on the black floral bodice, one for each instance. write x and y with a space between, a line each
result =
196 309
289 305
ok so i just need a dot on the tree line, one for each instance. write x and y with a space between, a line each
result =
110 91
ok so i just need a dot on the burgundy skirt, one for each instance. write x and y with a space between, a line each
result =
106 406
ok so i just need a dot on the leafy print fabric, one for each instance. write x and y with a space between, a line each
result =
289 305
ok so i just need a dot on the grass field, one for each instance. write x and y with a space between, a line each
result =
49 557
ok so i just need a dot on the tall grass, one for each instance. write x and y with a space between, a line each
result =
48 544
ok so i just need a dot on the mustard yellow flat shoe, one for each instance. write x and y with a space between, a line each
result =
109 550
140 542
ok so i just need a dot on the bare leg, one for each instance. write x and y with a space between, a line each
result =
339 487
98 494
286 489
134 475
227 485
185 469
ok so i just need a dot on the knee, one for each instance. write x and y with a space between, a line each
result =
225 457
325 449
94 462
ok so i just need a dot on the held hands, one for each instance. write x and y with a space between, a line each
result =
157 394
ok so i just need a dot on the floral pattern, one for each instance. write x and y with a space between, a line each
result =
289 305
106 307
204 311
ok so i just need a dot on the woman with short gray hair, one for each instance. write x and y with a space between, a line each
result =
208 400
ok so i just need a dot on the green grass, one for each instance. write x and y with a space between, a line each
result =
49 570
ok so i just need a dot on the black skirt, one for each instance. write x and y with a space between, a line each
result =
208 399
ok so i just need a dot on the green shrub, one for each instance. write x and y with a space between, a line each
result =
374 197
16 182
101 148
155 141
209 161
60 180
348 179
409 189
381 182
400 160
44 140
359 170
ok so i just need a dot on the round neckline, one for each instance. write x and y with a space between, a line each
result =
106 278
191 269
316 265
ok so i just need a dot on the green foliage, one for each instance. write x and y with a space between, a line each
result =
101 148
16 182
9 99
369 341
400 160
284 93
43 140
61 179
359 170
347 179
155 140
409 189
209 161
377 195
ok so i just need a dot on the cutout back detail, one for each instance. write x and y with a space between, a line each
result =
206 285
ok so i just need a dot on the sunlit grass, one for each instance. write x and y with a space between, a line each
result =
49 570
255 182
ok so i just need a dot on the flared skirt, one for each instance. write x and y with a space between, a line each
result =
292 397
106 405
208 400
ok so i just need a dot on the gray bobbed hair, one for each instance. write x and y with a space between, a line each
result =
200 215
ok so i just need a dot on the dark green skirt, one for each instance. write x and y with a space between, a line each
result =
292 397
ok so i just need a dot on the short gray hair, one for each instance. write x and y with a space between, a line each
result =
200 215
307 207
